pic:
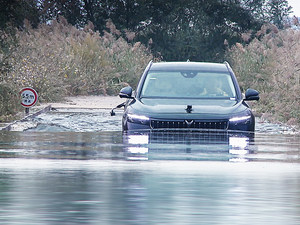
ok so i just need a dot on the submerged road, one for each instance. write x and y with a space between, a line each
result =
73 165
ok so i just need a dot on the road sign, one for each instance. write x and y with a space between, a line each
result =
28 97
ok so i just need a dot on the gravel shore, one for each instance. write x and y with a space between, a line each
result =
86 102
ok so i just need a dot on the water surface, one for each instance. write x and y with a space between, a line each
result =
76 167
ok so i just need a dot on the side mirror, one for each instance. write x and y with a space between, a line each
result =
126 92
251 95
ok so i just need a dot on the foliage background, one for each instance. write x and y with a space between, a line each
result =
59 60
195 28
271 64
73 47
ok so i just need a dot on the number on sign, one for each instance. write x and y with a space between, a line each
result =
28 97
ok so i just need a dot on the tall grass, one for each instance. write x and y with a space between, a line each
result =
8 92
58 59
271 64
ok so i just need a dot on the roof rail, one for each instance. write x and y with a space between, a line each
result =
149 65
227 64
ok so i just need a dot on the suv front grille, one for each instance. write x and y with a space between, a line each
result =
190 124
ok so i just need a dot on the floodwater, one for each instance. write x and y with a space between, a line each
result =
76 167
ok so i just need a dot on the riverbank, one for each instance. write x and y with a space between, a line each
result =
82 103
86 102
74 102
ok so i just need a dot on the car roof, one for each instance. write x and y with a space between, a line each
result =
199 66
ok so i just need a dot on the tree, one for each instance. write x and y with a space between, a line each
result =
177 29
72 10
268 11
278 11
195 30
14 12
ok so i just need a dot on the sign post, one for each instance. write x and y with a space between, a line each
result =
28 98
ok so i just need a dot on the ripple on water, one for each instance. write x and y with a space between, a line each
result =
79 133
90 120
76 120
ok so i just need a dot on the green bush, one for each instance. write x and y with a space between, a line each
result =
270 64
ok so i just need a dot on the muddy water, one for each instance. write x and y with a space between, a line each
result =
76 167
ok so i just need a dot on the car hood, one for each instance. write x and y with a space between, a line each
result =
205 108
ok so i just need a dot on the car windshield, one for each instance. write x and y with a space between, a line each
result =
188 84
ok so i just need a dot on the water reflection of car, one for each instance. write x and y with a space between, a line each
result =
160 145
189 96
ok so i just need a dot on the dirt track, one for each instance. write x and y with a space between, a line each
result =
87 102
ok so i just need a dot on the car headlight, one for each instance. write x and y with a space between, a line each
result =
240 118
135 118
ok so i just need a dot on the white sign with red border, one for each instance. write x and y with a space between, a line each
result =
28 97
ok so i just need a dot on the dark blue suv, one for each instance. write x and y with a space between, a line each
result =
189 96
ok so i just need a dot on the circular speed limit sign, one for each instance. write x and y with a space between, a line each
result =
28 97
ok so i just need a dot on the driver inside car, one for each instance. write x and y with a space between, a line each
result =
213 87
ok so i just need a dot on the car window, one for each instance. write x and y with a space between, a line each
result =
188 84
